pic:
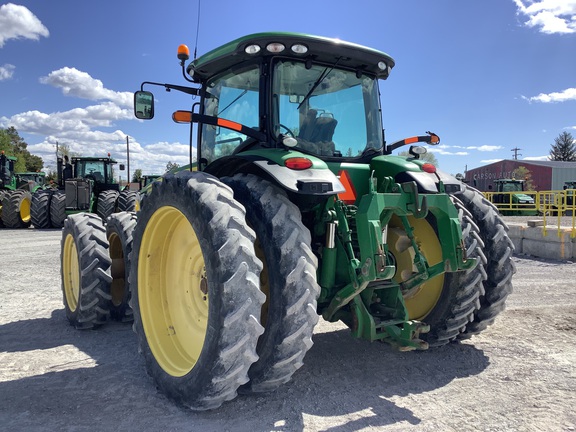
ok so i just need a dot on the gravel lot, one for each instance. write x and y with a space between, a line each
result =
519 375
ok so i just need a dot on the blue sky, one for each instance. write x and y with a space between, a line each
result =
486 75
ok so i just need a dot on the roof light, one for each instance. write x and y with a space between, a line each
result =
183 52
299 49
275 47
382 65
429 168
298 163
252 49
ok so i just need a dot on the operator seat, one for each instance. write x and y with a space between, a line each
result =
316 134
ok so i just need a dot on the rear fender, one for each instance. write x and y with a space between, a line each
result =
317 180
404 169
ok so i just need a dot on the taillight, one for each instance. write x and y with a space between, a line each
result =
429 168
298 163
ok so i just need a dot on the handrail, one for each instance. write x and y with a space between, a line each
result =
546 204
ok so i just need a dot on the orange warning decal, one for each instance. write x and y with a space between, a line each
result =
349 195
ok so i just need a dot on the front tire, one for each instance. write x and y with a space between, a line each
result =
85 271
288 279
195 296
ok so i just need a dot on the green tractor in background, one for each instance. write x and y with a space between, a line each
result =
510 199
32 180
85 184
15 197
297 209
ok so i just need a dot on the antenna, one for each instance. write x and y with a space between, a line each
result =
197 31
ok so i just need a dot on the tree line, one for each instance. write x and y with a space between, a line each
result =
14 145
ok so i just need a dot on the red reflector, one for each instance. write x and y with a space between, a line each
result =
349 195
429 168
298 163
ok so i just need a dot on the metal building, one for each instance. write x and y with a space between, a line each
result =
546 175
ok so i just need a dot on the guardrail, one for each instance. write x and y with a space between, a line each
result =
554 207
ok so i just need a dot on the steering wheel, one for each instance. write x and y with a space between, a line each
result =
287 130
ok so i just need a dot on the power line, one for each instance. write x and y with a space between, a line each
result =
516 154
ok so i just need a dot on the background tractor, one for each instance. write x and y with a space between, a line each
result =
84 185
297 210
15 197
510 199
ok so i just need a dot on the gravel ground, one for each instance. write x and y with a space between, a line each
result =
519 375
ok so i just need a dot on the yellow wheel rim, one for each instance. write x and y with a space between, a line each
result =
421 300
71 273
172 291
118 269
25 214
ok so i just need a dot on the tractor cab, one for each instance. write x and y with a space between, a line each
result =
297 94
31 181
7 180
99 170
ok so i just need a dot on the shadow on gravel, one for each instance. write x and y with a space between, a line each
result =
341 376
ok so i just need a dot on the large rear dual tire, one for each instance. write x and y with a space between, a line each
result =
195 290
498 266
16 209
40 208
288 279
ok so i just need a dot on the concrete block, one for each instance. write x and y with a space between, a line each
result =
556 244
516 234
535 223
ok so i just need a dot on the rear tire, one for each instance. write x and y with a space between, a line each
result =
499 266
289 281
461 292
85 271
106 203
119 229
16 209
58 209
195 290
2 195
40 208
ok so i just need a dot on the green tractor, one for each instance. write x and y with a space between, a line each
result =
84 185
15 197
32 180
297 209
511 200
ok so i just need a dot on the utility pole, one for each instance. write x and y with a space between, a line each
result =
128 158
516 154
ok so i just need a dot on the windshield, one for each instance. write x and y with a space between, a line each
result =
330 111
95 170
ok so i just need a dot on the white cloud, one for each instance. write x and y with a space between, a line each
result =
18 22
563 96
537 158
485 148
489 161
550 16
73 82
6 71
442 151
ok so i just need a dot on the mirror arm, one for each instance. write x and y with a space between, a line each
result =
189 90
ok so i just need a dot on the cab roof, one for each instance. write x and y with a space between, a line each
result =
319 49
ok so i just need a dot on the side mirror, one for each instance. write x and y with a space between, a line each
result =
144 105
